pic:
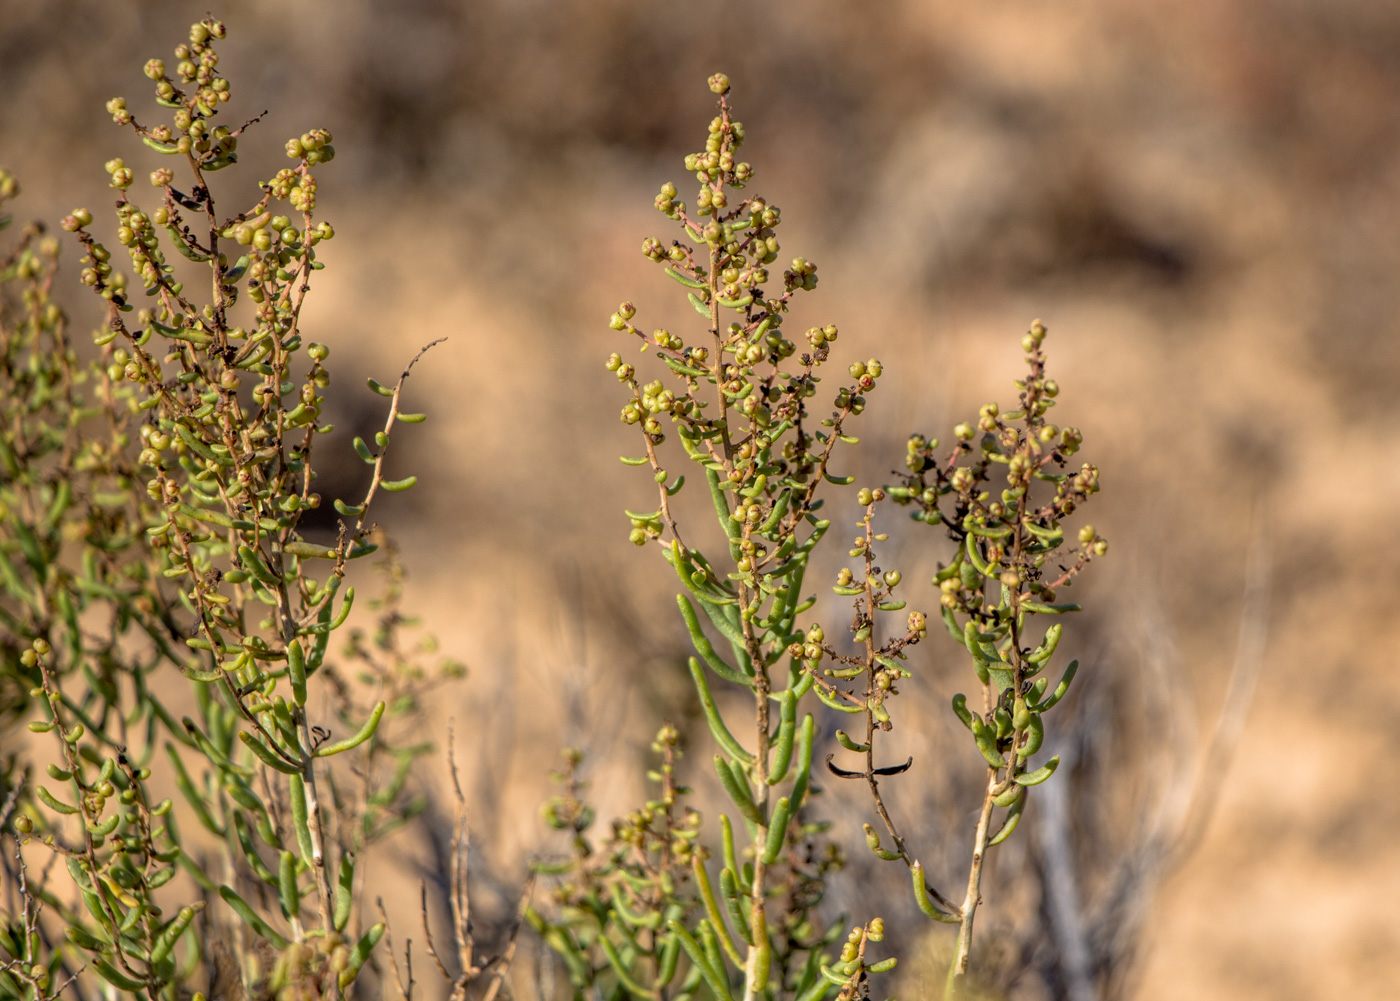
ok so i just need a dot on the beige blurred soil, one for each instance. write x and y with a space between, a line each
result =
1201 198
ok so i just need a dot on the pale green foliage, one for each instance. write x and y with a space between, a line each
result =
153 502
645 917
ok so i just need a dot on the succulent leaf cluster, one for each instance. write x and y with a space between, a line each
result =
170 582
747 405
166 613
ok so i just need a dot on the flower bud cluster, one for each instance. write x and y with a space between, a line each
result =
879 662
1011 535
739 394
159 493
653 845
194 93
137 234
312 147
715 167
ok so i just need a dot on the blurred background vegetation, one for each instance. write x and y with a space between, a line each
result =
1200 197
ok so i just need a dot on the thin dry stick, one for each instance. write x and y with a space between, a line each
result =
427 931
502 962
460 904
1061 887
1184 807
1239 691
20 966
405 990
1188 803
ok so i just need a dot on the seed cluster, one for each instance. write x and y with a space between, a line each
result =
746 401
740 397
153 522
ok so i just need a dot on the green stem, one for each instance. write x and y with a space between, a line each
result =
957 972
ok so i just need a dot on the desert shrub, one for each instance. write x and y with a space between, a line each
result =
744 402
208 833
208 829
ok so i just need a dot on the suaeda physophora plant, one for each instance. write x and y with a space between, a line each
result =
215 771
739 405
1000 496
